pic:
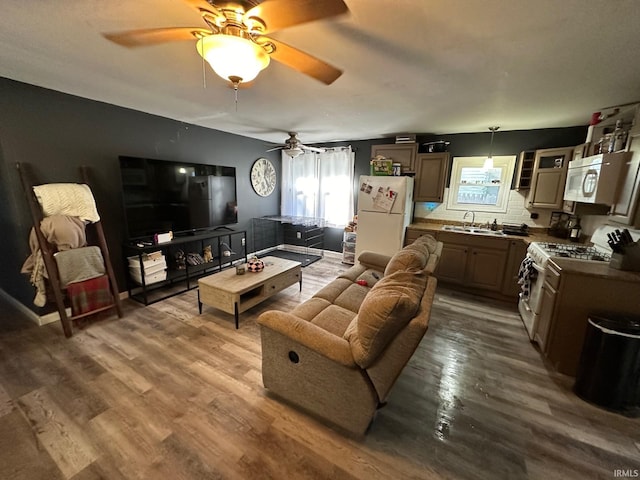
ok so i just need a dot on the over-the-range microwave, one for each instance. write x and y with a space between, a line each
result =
595 179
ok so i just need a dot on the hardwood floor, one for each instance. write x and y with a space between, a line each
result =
167 393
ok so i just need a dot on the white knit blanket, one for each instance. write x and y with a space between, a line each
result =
73 199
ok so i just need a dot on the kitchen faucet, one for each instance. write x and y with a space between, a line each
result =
473 218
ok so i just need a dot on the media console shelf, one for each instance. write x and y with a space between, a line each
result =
146 284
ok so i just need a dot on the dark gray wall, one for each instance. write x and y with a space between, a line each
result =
466 145
55 134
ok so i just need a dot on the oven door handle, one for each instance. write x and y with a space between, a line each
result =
538 268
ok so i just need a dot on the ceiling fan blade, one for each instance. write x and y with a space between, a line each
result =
279 14
302 62
313 149
275 148
154 36
204 6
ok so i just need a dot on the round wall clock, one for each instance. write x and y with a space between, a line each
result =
263 177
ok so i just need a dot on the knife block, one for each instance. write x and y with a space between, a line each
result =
629 260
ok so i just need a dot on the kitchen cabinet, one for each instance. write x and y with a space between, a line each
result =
626 210
452 266
431 174
548 179
474 261
526 161
517 252
402 153
548 302
580 289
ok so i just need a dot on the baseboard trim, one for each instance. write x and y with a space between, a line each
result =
41 320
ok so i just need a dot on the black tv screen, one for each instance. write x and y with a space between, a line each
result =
161 196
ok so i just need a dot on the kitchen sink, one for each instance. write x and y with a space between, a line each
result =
476 230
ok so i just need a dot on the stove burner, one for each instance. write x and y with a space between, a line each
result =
580 252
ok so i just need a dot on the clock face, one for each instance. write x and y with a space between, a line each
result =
263 177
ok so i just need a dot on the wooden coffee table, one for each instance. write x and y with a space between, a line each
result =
235 294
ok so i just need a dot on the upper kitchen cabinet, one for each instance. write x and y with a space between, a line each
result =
431 174
526 162
549 176
626 210
402 153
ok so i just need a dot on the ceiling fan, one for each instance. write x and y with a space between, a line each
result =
235 42
293 147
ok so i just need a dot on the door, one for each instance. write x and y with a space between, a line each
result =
547 302
431 173
380 232
626 210
385 194
402 153
549 175
486 268
453 263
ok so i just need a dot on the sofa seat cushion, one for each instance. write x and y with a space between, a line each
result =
334 319
387 308
360 272
325 315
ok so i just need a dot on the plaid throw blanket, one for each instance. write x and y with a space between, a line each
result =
89 295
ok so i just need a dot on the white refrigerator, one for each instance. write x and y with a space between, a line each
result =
385 208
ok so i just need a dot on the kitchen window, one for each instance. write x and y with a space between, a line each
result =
474 187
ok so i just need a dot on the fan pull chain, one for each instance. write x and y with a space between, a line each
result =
235 80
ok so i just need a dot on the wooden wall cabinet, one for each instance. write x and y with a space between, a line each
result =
626 209
524 174
431 175
402 153
549 176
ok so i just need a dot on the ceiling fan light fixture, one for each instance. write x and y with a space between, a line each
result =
233 57
293 152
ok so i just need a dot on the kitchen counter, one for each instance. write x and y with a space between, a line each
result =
594 269
536 235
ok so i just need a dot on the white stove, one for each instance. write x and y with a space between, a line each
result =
542 251
539 253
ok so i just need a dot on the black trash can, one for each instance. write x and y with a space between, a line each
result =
609 370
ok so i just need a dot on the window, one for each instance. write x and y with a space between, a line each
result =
473 187
319 185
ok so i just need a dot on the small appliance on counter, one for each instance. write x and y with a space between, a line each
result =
513 229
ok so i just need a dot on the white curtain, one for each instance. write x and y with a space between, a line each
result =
319 185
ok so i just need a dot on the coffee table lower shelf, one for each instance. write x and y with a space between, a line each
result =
235 294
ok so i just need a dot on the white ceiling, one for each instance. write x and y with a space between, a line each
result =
418 66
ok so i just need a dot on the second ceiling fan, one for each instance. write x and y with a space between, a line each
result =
235 43
294 147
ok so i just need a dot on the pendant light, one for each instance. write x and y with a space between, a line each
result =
488 162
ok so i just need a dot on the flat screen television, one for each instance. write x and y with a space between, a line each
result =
161 196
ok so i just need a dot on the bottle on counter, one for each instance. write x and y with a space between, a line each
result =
575 231
494 225
619 139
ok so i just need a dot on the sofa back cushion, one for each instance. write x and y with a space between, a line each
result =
386 309
414 256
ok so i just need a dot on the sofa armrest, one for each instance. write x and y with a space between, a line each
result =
375 261
311 336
